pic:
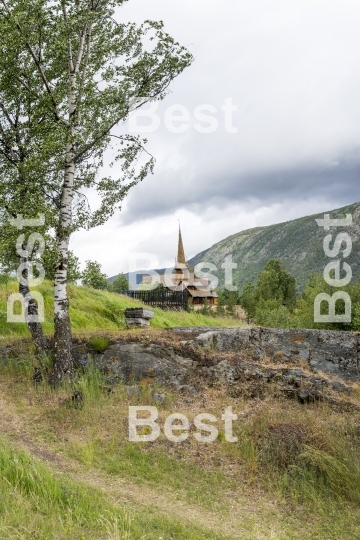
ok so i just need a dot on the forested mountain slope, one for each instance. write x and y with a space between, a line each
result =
299 243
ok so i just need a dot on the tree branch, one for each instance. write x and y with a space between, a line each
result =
83 76
106 131
7 144
23 83
134 140
37 64
7 114
7 157
71 61
80 52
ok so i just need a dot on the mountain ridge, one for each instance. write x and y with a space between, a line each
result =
298 242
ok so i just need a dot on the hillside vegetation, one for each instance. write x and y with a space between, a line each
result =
71 473
92 309
299 243
272 301
68 470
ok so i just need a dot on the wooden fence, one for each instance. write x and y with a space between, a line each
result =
164 299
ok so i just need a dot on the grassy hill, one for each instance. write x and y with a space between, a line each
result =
71 473
299 243
91 309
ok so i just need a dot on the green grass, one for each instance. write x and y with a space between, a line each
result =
92 309
36 503
100 344
303 459
154 466
294 473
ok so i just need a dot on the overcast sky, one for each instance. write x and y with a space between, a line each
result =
292 147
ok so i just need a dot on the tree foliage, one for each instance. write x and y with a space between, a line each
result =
120 284
70 76
93 277
227 300
248 300
275 283
10 259
267 303
304 314
273 298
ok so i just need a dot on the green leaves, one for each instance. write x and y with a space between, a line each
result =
273 297
120 284
93 277
70 75
51 50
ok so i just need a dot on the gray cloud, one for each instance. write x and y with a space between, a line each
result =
336 185
292 69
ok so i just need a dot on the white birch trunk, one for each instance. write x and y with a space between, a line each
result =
64 366
31 311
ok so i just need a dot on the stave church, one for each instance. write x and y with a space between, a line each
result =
181 278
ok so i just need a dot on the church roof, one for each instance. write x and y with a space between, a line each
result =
202 294
181 253
182 278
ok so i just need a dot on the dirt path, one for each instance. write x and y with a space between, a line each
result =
235 524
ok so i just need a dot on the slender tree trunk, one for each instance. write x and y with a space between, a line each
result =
31 310
64 365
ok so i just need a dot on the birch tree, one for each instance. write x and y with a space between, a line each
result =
82 71
21 134
12 256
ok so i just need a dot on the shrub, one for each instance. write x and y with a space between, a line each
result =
100 344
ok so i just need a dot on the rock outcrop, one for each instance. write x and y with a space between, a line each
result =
307 365
333 352
134 362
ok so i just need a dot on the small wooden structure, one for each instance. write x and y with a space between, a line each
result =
182 279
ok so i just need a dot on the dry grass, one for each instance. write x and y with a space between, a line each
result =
272 435
294 472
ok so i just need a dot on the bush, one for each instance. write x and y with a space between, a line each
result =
303 462
100 344
273 298
93 277
271 315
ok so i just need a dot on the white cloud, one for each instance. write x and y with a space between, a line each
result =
291 66
116 246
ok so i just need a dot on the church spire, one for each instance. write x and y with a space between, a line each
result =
181 253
